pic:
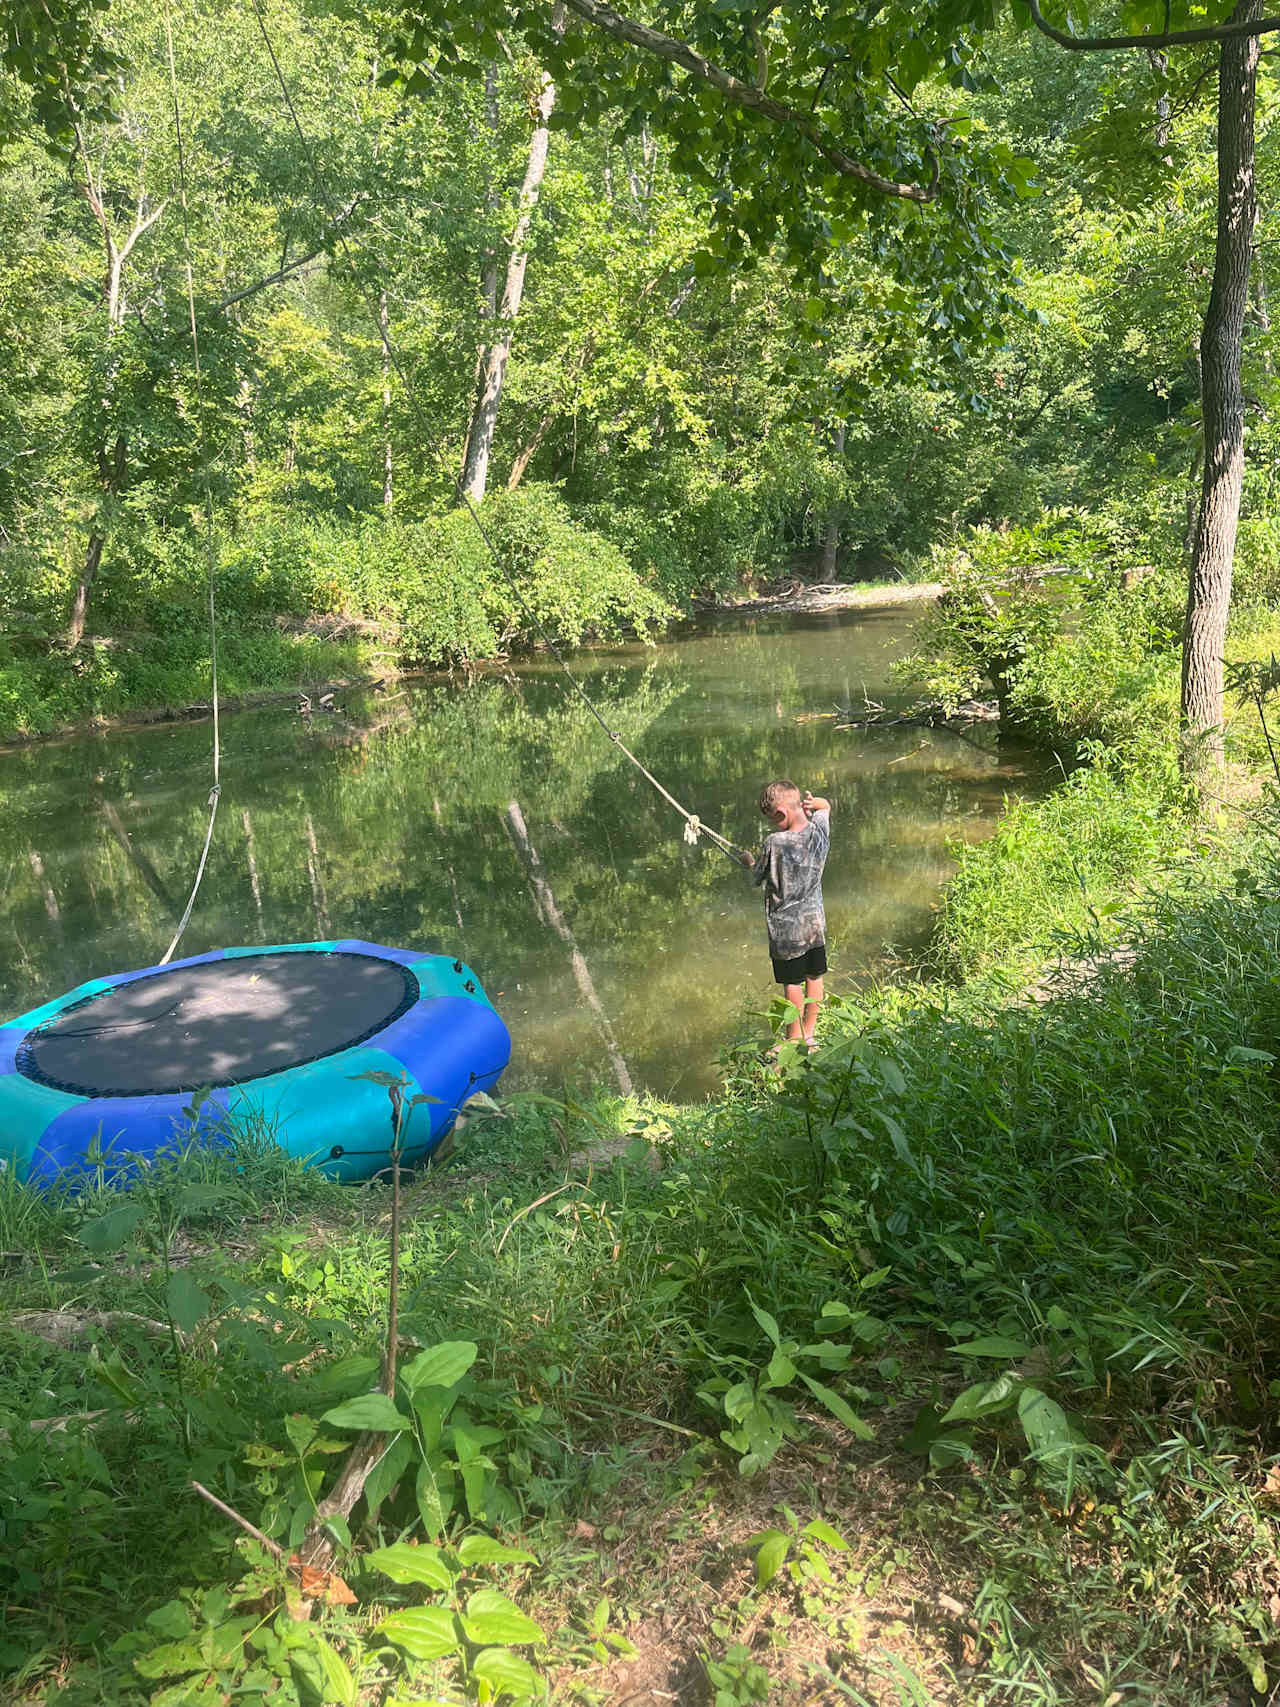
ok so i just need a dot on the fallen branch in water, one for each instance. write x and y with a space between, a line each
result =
934 715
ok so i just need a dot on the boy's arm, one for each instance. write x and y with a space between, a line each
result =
815 802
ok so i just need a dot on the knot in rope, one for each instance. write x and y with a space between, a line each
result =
692 829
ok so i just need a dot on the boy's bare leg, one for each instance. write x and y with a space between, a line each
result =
813 988
795 995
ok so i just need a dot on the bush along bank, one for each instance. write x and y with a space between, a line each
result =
301 602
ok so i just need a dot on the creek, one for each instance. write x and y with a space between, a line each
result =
387 817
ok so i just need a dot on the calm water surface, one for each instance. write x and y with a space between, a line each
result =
388 818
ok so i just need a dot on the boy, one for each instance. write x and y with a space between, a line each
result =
789 866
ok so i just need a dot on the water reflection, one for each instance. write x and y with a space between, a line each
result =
390 818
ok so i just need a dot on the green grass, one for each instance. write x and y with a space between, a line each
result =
1073 1207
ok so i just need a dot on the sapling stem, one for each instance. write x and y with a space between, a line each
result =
396 1093
1262 718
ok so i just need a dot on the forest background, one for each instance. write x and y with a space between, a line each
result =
677 410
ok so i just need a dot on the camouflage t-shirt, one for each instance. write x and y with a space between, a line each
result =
790 867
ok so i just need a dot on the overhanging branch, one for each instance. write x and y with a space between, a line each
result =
611 23
1170 38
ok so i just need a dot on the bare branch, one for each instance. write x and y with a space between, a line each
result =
277 277
604 18
1170 38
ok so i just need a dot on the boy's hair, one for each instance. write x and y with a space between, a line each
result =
774 793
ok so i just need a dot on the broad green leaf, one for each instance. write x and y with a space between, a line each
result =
404 1563
172 1620
434 1490
348 1374
1044 1422
110 1232
985 1399
301 1432
992 1345
372 1411
484 1550
385 1474
765 1320
781 1371
491 1617
440 1365
739 1400
506 1674
422 1632
817 1530
341 1685
838 1407
772 1554
169 1659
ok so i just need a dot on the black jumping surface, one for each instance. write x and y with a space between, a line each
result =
217 1024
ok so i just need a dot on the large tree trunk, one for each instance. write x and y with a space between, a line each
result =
493 360
1221 342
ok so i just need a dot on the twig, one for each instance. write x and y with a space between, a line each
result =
271 1546
569 1185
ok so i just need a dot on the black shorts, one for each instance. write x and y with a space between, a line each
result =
811 964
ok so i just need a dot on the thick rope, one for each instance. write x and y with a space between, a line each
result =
216 791
694 827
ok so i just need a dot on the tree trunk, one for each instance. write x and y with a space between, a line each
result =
80 604
493 361
388 489
831 528
1209 586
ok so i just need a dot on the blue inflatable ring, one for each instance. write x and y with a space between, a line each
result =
292 1044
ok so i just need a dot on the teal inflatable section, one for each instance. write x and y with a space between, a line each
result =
294 1044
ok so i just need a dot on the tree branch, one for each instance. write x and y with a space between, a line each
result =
277 277
604 18
287 268
1170 38
142 223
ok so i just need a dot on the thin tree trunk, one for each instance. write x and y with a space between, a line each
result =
1261 308
388 489
493 362
528 452
550 912
113 466
1209 585
84 586
831 528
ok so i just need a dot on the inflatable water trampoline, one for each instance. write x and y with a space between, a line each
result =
273 1042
